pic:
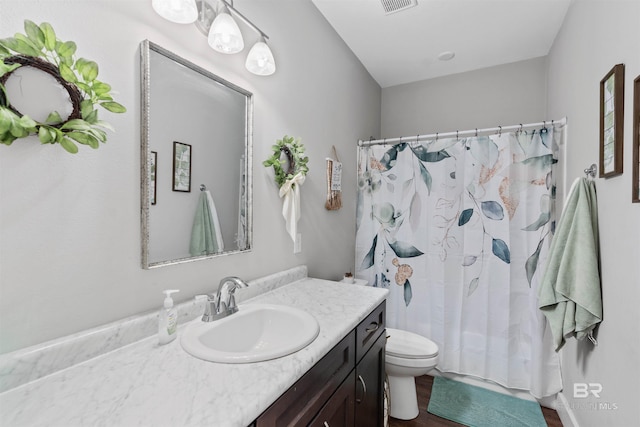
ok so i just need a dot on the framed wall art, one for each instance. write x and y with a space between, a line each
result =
612 122
181 167
153 168
636 141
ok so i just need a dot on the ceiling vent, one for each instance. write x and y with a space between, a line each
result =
393 6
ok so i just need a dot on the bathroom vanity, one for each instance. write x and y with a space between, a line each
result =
143 383
344 389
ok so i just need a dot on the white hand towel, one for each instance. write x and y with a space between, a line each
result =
290 190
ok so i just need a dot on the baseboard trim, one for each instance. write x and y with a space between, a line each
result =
563 408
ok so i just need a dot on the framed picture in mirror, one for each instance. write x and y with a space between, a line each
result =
636 141
611 122
181 167
153 169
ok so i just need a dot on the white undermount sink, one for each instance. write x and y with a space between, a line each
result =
257 332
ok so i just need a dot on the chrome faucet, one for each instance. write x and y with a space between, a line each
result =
223 303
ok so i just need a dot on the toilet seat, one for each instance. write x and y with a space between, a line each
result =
407 345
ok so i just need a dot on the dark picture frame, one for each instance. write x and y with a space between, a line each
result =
612 122
181 167
153 177
636 141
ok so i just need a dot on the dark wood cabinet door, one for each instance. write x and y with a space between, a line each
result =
339 410
300 404
370 384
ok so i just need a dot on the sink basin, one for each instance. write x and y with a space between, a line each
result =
255 333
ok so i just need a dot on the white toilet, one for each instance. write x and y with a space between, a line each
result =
407 355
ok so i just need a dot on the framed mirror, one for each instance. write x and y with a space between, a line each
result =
636 141
199 126
612 122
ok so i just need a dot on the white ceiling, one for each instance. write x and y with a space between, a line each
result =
403 47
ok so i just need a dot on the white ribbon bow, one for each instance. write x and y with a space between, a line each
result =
290 190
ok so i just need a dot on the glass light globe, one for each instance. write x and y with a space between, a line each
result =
260 60
224 35
178 11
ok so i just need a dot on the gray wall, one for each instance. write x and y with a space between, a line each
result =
596 35
497 96
70 225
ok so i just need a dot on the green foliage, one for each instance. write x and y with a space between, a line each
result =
40 41
295 148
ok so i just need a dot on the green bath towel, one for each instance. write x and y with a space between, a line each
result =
570 295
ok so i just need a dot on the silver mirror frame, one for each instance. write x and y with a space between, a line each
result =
145 154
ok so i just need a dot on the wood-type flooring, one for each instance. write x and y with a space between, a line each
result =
426 419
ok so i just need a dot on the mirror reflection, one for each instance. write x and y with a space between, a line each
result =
196 159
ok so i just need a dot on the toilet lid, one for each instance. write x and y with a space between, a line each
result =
409 345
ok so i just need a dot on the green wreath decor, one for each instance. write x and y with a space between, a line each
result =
294 152
39 48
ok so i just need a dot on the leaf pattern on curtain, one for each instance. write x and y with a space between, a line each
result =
393 189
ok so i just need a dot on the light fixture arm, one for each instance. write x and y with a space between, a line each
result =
244 18
206 13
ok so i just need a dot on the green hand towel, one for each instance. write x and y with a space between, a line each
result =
569 294
205 233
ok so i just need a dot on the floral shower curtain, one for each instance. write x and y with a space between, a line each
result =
458 229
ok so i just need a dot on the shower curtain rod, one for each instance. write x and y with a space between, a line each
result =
475 132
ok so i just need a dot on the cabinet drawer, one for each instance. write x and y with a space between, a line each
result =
368 331
300 404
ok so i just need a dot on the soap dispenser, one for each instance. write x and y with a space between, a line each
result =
168 319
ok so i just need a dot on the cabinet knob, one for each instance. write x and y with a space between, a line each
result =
364 389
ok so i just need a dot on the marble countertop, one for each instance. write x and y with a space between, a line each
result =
145 384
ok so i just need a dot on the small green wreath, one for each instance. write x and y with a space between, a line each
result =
40 49
294 152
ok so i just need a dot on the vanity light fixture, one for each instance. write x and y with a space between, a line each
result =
223 33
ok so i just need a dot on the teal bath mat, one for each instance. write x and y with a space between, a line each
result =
478 407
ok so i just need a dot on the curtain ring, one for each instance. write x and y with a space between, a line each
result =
520 127
499 130
436 136
384 142
476 132
457 139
